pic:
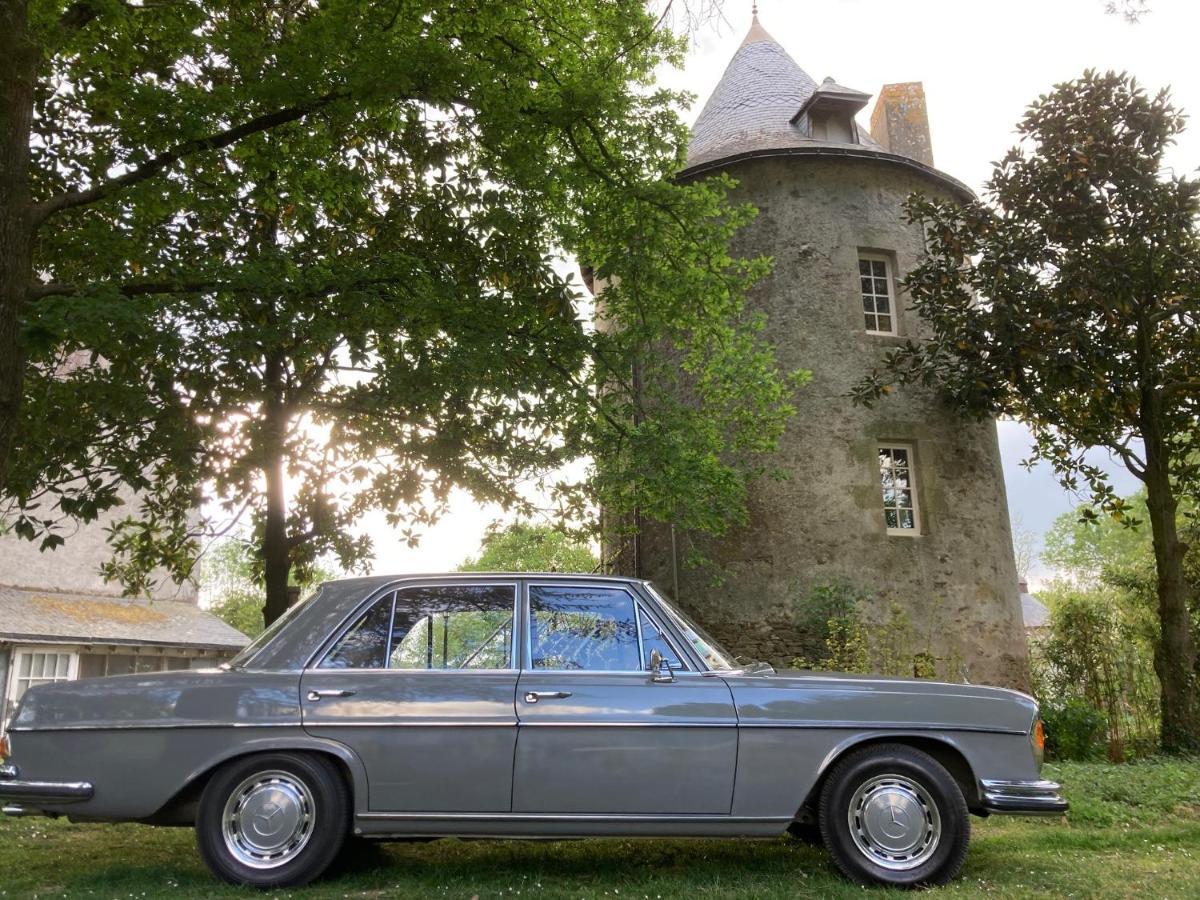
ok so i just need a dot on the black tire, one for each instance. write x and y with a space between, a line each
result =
920 798
315 805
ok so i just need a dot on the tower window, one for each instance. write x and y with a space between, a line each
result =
879 302
899 489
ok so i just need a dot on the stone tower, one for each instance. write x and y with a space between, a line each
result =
906 501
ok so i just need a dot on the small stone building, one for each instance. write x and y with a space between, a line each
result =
906 501
60 621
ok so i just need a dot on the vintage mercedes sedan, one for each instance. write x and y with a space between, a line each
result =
516 706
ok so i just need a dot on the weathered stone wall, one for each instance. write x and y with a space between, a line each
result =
956 579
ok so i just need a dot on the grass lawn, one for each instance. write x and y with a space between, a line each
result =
1133 831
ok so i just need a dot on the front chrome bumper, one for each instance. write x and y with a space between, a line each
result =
19 795
1023 798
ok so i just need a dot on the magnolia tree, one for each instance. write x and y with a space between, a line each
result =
523 547
1070 298
305 260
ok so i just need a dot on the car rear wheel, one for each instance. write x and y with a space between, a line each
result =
893 815
273 820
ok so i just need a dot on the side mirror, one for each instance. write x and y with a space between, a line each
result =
661 668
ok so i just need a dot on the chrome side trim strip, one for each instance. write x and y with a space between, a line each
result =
646 724
880 726
143 726
565 817
325 724
872 726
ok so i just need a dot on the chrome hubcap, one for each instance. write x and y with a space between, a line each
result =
268 819
894 822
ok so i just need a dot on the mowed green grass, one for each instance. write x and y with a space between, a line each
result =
1133 831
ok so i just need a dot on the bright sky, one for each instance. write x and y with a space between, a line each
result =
982 62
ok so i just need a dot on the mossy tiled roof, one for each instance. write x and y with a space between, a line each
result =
33 615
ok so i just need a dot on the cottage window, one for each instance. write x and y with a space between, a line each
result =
896 478
878 298
34 667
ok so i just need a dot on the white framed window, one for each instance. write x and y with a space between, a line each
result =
42 665
878 295
897 479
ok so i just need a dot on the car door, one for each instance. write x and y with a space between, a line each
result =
598 735
421 685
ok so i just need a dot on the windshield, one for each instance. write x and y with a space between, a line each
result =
251 649
713 654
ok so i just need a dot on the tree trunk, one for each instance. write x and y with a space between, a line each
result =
1175 654
276 553
18 69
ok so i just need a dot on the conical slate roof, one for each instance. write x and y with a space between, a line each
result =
753 105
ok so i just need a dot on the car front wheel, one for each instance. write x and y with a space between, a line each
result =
893 815
274 820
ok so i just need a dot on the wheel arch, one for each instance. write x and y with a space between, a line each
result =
942 747
180 809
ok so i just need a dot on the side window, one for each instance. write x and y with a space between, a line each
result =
453 627
653 639
583 628
364 646
436 627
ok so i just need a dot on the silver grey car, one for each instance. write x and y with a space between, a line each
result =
518 706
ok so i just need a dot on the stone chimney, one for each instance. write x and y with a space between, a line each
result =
900 121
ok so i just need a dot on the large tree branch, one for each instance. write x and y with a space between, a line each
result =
135 289
158 164
1182 387
43 290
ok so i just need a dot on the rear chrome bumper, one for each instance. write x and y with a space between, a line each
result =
19 794
1023 798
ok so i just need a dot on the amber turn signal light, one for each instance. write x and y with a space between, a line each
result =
1037 741
5 749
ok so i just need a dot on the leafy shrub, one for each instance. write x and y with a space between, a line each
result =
1074 730
1094 657
836 636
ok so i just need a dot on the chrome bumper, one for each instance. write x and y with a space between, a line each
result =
1023 798
15 792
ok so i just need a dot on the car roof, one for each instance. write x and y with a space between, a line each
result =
369 581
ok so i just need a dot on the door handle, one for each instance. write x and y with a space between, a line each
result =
535 696
314 696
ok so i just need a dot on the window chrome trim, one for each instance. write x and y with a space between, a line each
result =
639 605
666 635
324 648
676 630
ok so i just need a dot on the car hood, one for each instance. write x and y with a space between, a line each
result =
806 698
